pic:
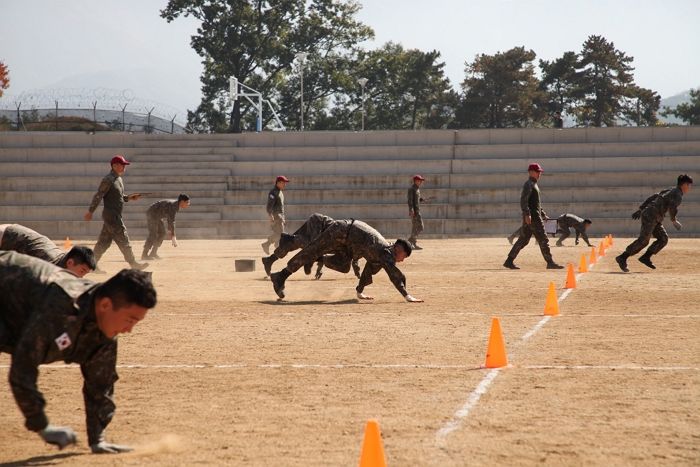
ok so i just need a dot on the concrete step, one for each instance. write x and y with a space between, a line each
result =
19 214
60 198
60 154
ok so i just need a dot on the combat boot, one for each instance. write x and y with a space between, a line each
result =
510 264
554 265
267 264
622 262
278 279
645 259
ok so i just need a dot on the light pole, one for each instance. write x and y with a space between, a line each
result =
301 56
363 82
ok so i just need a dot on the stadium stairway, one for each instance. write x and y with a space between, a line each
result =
474 177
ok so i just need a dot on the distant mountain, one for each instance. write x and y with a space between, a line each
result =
672 102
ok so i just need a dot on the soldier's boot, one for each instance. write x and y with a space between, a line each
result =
319 269
510 264
553 265
267 264
559 243
356 268
645 259
622 262
278 279
138 266
266 247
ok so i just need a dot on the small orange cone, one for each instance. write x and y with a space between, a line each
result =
67 245
496 351
592 259
611 239
372 453
570 277
583 265
601 250
551 305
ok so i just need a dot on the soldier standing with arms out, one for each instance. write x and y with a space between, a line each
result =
533 221
47 315
414 201
165 209
275 211
652 213
112 190
80 260
580 225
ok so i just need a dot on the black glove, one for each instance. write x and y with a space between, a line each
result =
60 436
637 214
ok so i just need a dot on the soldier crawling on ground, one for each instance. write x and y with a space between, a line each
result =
339 243
80 260
165 209
564 223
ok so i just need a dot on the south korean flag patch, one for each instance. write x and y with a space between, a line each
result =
63 341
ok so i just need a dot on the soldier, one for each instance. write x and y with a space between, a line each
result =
112 190
652 212
80 260
315 224
275 210
343 237
46 315
414 201
533 221
165 209
567 221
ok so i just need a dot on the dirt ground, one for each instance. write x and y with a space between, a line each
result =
220 373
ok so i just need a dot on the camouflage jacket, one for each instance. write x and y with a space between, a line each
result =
164 209
275 202
414 199
567 221
112 190
657 205
25 240
530 203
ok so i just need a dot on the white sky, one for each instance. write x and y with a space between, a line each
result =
125 44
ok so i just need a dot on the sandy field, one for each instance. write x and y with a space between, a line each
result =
220 373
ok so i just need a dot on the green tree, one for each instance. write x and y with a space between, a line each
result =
4 77
689 112
641 106
502 91
256 41
559 83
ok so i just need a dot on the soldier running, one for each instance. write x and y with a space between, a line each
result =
568 221
112 190
275 210
165 209
652 212
47 315
312 228
533 221
414 201
345 236
80 260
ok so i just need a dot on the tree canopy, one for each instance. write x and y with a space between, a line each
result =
689 112
4 77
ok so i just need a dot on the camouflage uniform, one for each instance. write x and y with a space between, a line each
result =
530 205
567 221
414 201
15 237
112 190
275 208
653 212
347 238
164 209
47 315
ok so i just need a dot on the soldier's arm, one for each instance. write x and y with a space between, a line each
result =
171 221
412 199
673 204
99 374
102 190
525 197
397 278
371 268
271 198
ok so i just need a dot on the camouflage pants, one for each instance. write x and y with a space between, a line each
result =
113 229
536 228
156 234
329 242
302 236
276 230
650 226
416 227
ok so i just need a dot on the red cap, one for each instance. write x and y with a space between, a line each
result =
281 178
536 167
119 159
418 177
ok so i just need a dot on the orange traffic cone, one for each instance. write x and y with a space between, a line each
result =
496 351
67 245
593 258
601 250
551 305
570 277
372 453
583 265
611 239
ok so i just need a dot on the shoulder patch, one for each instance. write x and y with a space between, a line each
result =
63 341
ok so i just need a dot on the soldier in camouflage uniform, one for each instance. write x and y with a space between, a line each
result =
414 201
165 209
652 213
568 221
275 210
47 315
312 228
112 190
80 260
339 243
533 221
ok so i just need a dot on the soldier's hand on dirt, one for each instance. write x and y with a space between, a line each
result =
677 225
88 216
174 240
411 299
60 436
103 447
362 296
637 214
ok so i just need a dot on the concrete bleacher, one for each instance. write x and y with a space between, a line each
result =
474 177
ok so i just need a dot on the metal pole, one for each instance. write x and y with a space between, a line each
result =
363 83
123 111
56 115
18 116
301 56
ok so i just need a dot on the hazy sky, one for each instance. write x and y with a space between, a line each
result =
124 44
